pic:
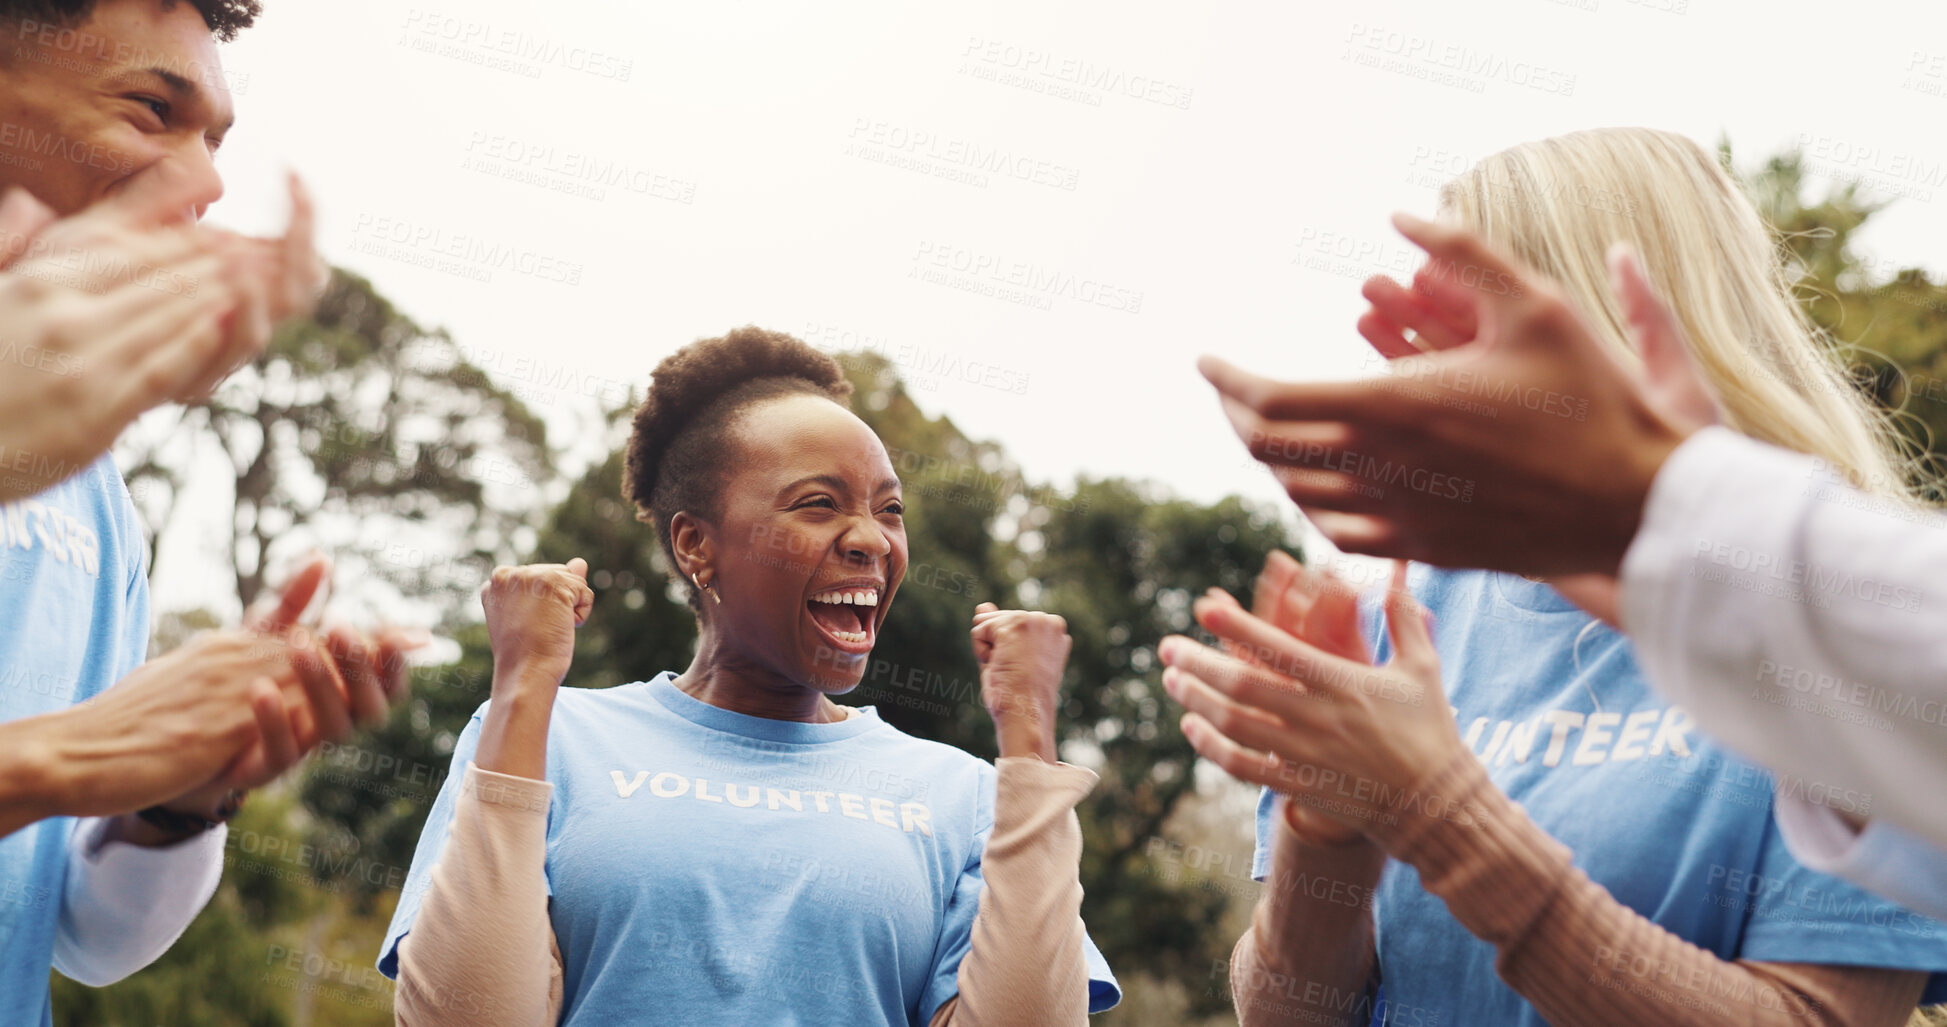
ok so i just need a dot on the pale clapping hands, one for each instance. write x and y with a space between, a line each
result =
122 307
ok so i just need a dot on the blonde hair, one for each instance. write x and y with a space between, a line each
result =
1559 204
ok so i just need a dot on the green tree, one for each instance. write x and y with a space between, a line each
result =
1889 323
381 441
371 430
1123 562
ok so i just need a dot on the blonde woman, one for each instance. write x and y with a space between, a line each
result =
1559 845
1850 688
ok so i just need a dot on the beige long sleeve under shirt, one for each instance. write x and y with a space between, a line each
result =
1576 953
482 945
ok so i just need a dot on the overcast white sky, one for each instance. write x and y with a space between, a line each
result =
1179 178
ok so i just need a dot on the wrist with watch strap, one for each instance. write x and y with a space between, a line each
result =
176 822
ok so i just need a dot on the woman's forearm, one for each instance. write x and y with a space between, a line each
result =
1308 956
1583 958
481 949
514 734
1028 961
1024 731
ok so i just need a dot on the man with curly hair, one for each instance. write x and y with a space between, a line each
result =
113 800
99 94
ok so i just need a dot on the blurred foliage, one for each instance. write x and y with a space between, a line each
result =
1122 563
359 416
256 956
376 420
1890 323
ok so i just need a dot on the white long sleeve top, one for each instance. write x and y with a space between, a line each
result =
1804 623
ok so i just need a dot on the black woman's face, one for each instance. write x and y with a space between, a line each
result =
811 540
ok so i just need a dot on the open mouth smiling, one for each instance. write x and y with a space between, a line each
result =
848 616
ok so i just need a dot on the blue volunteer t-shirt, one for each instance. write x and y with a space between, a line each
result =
74 618
706 866
1672 824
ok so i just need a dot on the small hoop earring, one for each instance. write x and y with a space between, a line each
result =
705 588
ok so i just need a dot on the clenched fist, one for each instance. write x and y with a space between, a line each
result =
1021 655
532 614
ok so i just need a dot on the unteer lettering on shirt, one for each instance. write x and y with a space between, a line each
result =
904 816
1604 738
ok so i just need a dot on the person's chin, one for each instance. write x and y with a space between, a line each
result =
834 678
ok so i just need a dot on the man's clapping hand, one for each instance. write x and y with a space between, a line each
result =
228 711
124 307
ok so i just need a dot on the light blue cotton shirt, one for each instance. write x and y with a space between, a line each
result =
1672 824
1882 858
705 866
74 618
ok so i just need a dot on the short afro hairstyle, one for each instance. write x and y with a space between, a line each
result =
225 18
676 458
